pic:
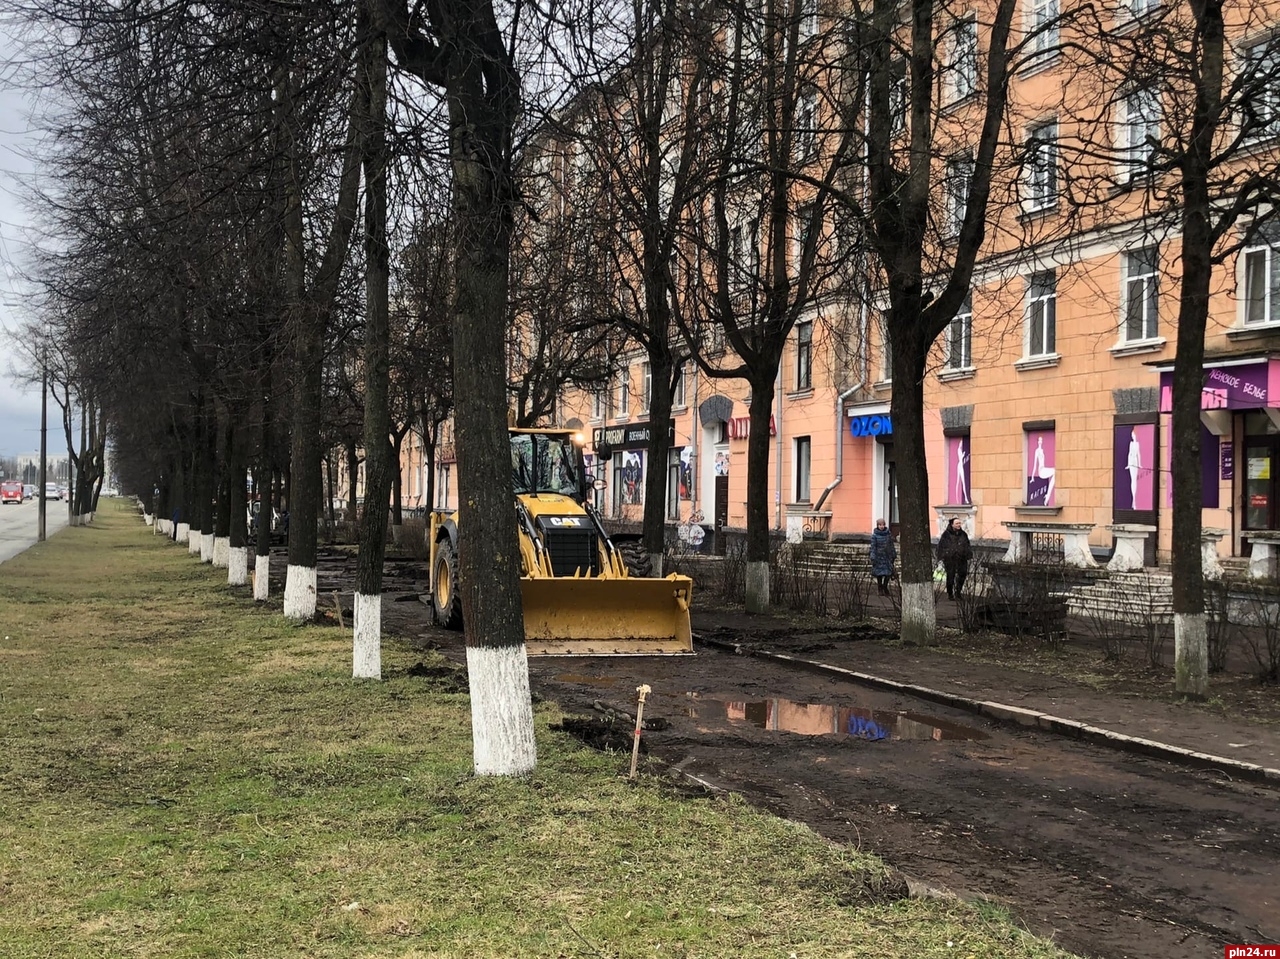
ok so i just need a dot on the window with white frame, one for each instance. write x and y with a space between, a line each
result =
1040 167
803 449
1042 308
803 223
898 97
624 393
804 356
1042 27
1260 89
1138 131
1134 9
962 61
678 399
958 184
646 389
599 404
960 337
806 122
808 19
886 351
1261 284
1142 294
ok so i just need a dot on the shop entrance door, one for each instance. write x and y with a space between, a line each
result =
890 489
1261 459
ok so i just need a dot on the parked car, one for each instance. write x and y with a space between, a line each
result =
10 492
28 491
62 492
51 491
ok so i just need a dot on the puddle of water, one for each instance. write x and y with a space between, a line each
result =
812 719
584 680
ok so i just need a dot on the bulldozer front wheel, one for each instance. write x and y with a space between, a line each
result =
636 559
445 598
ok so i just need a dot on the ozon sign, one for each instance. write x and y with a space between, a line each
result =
872 424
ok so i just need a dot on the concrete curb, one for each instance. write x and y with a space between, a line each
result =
1016 715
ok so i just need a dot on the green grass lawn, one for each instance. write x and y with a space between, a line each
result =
183 773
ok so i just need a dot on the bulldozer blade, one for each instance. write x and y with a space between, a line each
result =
566 616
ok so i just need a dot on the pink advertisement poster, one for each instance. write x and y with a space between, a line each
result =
1134 484
958 471
1041 460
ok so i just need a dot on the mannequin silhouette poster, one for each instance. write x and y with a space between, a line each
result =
1041 467
958 471
1134 475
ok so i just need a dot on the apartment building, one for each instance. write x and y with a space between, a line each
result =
1048 397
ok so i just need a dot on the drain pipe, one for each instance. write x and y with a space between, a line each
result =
777 500
844 395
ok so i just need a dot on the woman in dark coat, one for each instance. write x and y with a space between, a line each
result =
955 552
883 553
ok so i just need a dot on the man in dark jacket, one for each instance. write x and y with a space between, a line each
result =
955 552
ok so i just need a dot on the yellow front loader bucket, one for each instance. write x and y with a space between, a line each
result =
567 616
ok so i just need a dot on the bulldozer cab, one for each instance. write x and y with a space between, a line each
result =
547 462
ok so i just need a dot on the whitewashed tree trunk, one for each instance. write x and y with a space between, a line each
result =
238 566
366 650
261 578
300 592
184 532
206 547
501 711
1191 653
757 587
655 563
919 614
193 542
221 551
148 518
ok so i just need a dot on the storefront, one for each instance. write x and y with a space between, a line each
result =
1240 425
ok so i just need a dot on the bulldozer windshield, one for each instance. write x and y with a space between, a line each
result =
545 464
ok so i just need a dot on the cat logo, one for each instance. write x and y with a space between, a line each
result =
565 520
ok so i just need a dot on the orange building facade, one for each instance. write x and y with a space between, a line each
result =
1047 399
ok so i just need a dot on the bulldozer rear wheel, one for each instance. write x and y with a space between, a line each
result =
636 559
445 598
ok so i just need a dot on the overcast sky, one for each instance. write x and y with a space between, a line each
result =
19 412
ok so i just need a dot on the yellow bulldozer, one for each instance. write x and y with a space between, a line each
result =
583 593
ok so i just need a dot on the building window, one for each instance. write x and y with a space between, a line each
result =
803 448
804 356
1260 91
1134 9
803 224
959 183
1260 285
1042 29
673 483
1138 132
808 19
886 352
646 394
624 393
1042 299
897 97
677 395
806 124
1040 170
960 337
1141 294
962 69
616 485
599 404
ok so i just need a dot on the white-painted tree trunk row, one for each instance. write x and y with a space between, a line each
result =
366 647
501 711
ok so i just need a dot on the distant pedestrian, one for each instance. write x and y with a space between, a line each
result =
883 554
955 552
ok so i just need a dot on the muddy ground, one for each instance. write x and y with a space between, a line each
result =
1109 854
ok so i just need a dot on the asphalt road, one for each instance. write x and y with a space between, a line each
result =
19 524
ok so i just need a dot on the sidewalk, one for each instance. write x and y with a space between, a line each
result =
1184 726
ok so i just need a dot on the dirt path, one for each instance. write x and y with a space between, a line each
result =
1110 854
